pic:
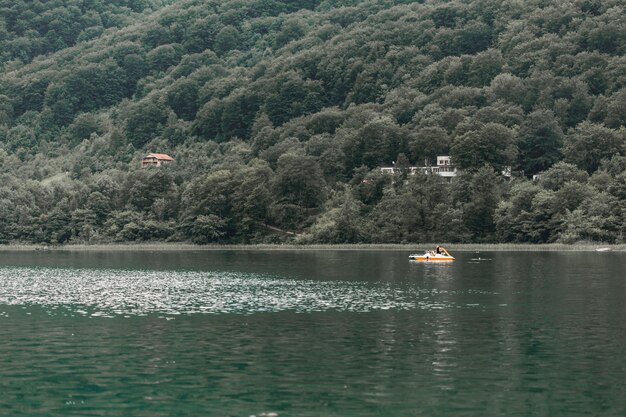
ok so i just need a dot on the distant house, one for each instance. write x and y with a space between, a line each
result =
444 168
155 160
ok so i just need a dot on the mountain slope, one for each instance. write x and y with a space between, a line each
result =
289 108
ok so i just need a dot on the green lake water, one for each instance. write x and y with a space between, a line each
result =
312 333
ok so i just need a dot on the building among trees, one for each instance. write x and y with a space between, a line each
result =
444 168
155 159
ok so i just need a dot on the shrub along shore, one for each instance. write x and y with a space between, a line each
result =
469 247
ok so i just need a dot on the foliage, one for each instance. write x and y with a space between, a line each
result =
280 115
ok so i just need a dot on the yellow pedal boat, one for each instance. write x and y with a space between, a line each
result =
440 255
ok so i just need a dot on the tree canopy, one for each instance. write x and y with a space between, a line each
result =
280 115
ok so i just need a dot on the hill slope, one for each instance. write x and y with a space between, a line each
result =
279 115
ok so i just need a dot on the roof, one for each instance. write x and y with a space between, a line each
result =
159 156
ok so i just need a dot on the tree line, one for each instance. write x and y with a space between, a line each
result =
280 115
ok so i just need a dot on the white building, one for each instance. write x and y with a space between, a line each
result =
444 168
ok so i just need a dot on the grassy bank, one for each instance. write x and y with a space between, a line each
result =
466 247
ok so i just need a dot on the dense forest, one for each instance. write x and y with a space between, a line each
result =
280 114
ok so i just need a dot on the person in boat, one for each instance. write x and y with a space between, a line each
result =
438 250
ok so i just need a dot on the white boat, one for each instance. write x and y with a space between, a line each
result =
440 255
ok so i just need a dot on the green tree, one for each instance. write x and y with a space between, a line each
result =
376 143
183 98
227 39
427 143
510 88
83 126
205 229
589 143
616 110
292 29
560 174
297 189
491 144
341 222
144 121
148 185
540 139
514 217
252 198
209 196
6 110
164 56
547 218
299 180
596 219
484 188
293 97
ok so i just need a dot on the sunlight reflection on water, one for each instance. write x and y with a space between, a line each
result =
108 293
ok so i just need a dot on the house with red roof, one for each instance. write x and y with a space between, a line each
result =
155 160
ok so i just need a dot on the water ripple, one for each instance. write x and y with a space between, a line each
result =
109 293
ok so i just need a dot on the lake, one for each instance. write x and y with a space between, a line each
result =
312 333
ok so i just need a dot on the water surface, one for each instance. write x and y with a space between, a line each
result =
311 333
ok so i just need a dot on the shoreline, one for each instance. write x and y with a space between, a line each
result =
180 247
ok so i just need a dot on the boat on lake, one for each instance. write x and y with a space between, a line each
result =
438 255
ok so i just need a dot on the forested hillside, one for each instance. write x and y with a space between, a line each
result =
280 114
